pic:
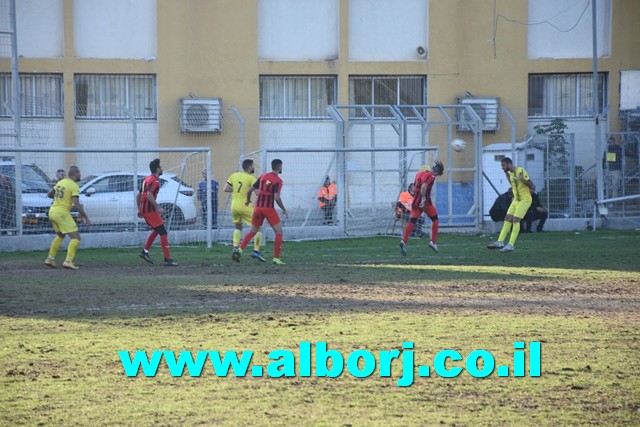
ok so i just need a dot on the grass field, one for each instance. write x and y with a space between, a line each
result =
576 293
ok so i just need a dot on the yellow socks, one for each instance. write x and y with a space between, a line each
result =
55 245
237 234
514 233
257 241
73 248
505 230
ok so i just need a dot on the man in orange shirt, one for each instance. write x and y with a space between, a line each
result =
328 196
405 199
403 209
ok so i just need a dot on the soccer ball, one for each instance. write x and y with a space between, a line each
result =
458 145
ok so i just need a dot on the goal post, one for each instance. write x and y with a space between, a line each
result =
368 182
111 178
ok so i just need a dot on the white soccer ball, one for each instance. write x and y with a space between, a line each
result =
458 145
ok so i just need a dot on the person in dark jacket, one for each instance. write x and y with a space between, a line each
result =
536 212
7 204
499 209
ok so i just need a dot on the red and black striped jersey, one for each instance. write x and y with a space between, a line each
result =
268 185
150 184
423 177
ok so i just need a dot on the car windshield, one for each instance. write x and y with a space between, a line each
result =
32 181
84 180
179 181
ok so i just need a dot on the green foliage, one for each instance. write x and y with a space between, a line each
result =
557 126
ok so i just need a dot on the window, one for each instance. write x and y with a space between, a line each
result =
387 90
565 95
118 96
296 97
388 30
298 30
123 29
564 29
40 95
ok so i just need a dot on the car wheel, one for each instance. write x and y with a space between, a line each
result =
173 216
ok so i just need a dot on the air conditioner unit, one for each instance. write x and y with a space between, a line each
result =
201 115
486 108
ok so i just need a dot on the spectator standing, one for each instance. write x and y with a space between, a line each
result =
60 175
327 196
202 198
612 165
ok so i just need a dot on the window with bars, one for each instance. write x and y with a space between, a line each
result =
115 96
40 95
387 90
296 97
565 95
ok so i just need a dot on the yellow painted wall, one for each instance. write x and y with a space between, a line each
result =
208 48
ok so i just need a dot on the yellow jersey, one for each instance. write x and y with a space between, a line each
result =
520 189
65 190
240 182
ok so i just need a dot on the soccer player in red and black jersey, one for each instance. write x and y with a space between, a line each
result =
149 209
268 187
422 202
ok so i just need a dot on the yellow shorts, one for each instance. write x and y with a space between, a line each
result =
244 213
519 208
62 222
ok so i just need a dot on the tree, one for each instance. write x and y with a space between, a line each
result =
556 164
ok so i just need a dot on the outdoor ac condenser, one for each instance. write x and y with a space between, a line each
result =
201 115
486 108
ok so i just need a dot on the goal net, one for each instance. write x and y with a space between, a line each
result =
110 182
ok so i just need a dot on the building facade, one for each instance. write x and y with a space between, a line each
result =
90 68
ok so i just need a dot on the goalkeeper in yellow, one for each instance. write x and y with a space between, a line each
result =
238 185
65 194
521 185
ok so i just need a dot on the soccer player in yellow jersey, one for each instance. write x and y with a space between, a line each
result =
521 185
65 194
238 185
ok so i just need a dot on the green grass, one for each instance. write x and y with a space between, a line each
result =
578 294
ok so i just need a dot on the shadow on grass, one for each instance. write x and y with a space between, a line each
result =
553 272
125 292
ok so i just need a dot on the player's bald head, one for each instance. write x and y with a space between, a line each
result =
74 173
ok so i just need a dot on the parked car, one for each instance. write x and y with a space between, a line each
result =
35 186
109 198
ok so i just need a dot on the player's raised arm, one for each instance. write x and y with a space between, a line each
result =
228 188
526 181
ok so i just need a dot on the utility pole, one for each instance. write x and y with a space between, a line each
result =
596 108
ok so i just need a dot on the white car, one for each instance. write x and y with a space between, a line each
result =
35 186
109 198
